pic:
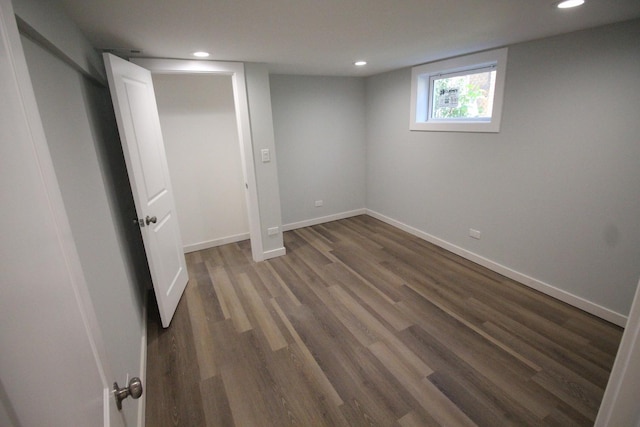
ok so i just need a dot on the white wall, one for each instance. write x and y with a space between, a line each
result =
319 125
200 134
556 194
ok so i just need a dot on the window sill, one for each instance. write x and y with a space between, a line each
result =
489 127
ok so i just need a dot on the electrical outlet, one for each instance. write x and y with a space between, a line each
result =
319 203
474 233
272 231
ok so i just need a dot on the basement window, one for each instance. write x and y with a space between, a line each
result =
462 94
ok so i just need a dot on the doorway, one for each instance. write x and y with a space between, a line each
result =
236 72
199 128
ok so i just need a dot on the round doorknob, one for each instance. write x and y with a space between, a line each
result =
150 220
134 389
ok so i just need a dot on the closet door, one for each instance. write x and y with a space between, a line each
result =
136 111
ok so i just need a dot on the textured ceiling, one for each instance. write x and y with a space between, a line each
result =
327 36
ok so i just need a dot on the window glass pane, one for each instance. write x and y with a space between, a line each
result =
466 95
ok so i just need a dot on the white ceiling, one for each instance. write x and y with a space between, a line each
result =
326 36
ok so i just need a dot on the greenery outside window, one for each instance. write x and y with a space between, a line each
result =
461 94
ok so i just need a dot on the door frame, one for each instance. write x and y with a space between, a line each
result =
241 104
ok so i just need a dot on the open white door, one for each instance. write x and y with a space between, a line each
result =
53 367
136 111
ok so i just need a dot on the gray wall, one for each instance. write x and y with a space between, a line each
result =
319 126
80 129
556 194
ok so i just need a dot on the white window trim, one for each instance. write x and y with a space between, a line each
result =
420 92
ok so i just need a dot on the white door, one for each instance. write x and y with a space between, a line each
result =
136 111
53 368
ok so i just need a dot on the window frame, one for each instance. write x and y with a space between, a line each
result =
422 93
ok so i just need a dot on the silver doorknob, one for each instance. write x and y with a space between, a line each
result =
134 390
150 220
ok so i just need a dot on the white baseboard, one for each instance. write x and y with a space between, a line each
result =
215 242
564 296
274 253
142 407
309 222
323 219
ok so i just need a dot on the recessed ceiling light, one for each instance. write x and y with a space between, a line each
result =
201 54
566 4
360 63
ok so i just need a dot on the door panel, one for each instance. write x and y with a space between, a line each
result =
137 116
80 151
148 152
52 363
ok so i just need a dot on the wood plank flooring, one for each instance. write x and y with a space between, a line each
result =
361 324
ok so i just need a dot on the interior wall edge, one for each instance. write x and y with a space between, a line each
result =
546 288
619 403
258 98
54 29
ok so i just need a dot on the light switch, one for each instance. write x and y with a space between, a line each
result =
266 155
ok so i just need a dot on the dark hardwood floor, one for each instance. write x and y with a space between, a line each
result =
362 324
